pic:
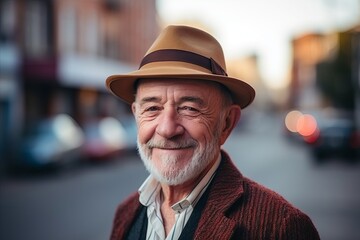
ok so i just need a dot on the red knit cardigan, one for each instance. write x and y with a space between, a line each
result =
237 208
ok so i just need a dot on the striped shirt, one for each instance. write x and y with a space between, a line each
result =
150 197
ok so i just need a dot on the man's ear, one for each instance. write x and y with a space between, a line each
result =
231 119
133 108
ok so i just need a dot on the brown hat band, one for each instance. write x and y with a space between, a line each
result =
183 56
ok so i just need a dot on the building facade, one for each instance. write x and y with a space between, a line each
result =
56 54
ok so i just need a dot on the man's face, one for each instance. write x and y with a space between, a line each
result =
179 127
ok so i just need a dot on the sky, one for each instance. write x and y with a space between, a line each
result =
264 27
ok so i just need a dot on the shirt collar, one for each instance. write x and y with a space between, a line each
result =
150 189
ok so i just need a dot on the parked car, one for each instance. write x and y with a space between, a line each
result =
335 137
51 142
129 124
106 138
329 133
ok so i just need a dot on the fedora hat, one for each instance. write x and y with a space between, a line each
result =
182 52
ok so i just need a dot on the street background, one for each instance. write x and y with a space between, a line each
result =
79 203
68 147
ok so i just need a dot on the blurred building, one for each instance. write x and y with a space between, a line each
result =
355 41
247 68
325 71
56 54
354 55
308 50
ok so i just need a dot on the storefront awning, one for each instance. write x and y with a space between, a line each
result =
83 71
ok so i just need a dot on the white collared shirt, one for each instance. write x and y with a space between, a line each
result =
150 197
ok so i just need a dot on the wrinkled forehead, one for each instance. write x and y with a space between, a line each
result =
193 85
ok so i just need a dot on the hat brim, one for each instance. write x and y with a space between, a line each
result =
123 85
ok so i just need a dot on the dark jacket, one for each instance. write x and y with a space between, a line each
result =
237 208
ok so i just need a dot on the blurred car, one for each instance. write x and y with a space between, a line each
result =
329 133
335 137
129 124
106 138
51 143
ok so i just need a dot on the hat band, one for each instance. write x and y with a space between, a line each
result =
183 56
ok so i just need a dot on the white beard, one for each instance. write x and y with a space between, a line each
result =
170 173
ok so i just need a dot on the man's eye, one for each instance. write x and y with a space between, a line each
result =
186 110
190 109
151 109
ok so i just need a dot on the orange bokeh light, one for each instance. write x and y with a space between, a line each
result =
306 125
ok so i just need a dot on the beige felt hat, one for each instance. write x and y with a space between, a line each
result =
182 52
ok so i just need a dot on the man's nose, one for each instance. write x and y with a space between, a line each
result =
169 124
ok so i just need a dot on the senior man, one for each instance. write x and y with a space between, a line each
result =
185 107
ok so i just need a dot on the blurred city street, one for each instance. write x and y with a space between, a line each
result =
56 113
78 203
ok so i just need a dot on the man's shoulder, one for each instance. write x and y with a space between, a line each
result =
272 208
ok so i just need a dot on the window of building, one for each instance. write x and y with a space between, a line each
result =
36 28
67 29
91 39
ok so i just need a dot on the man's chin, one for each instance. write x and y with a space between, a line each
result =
173 181
169 177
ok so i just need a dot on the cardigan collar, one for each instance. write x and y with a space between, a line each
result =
221 199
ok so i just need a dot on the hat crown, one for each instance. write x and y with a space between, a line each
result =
189 39
182 52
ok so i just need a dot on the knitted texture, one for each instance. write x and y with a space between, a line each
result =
237 208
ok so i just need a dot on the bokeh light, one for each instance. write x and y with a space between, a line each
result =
306 125
291 120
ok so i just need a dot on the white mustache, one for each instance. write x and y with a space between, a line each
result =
171 144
